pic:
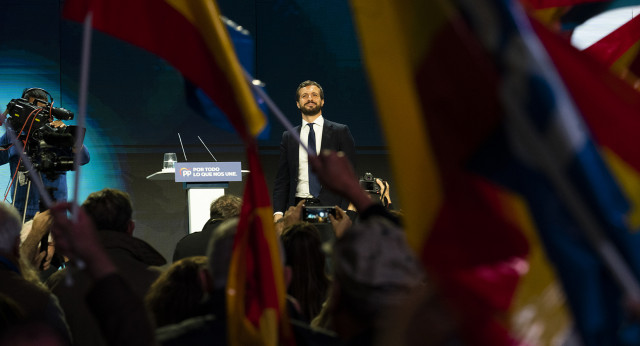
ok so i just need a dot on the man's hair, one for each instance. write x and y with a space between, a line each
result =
219 252
226 206
306 84
36 93
177 292
10 226
110 209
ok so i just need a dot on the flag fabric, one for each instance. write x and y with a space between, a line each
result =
196 43
565 15
619 51
443 85
597 301
511 164
256 292
243 45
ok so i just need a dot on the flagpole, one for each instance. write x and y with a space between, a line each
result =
82 107
274 108
34 176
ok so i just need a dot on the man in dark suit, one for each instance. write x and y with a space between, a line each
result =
295 181
195 244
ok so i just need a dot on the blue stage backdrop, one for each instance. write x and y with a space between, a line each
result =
138 104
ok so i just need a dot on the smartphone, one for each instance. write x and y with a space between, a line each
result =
44 247
318 214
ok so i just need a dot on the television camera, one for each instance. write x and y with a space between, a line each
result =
49 148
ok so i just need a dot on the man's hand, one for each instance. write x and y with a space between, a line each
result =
293 214
30 248
385 196
336 173
341 222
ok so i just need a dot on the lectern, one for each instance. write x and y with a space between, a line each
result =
204 182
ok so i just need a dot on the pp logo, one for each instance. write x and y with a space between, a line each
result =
185 172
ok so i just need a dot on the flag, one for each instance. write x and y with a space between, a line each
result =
256 292
444 86
190 36
513 166
243 45
565 15
619 51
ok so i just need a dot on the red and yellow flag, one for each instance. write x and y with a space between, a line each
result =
474 237
619 51
190 36
255 290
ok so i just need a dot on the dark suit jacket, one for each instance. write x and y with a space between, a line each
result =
335 137
195 244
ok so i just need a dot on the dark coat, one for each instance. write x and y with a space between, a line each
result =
38 304
335 137
195 244
134 260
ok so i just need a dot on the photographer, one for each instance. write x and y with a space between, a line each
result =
377 188
31 117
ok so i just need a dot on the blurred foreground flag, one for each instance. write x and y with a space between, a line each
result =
619 51
564 16
500 157
190 36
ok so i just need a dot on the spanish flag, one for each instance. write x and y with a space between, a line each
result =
190 36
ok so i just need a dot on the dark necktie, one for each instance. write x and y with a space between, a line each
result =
314 183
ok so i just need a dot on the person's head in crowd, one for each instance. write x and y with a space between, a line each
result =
303 254
33 94
10 226
219 253
110 210
176 294
374 271
225 207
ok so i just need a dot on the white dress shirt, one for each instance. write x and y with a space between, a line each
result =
302 190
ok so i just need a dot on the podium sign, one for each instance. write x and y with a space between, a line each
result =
205 172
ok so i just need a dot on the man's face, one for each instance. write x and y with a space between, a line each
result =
40 103
309 101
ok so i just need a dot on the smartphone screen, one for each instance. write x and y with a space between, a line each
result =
318 214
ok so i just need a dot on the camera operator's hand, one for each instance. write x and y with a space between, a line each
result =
336 173
341 222
293 214
58 123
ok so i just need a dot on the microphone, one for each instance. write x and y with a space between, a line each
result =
205 146
182 146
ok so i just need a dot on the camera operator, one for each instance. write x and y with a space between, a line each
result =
55 179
